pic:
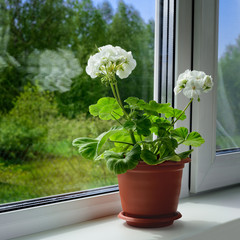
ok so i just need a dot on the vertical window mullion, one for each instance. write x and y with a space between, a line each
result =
171 53
164 52
158 49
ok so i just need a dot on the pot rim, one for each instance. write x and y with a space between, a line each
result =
142 166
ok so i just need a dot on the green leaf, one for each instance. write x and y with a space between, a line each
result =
162 122
135 103
106 108
90 148
149 157
99 157
185 154
87 147
167 148
128 125
122 136
160 126
175 113
105 136
194 139
180 134
168 144
162 132
157 107
174 143
173 157
143 127
121 162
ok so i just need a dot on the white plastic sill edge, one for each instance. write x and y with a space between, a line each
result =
214 215
41 218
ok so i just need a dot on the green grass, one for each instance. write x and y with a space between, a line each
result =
54 165
50 176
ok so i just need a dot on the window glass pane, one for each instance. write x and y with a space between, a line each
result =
45 91
228 98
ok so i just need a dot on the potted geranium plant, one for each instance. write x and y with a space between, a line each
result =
149 170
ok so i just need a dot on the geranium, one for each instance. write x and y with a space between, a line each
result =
137 120
110 61
193 83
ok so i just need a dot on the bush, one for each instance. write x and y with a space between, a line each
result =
16 139
25 125
34 127
62 131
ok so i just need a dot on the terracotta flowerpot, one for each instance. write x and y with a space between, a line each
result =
150 194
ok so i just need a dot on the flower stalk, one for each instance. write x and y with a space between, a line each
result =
183 111
116 95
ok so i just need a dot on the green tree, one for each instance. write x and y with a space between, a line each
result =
130 32
89 30
24 27
229 84
34 26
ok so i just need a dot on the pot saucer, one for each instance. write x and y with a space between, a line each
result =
161 221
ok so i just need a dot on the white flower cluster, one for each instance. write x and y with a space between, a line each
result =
111 60
193 83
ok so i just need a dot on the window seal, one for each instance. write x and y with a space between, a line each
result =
13 206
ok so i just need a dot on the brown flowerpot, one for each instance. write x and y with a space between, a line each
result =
150 194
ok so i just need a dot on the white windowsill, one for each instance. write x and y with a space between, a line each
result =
213 215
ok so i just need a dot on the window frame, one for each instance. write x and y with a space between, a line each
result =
183 61
209 170
42 218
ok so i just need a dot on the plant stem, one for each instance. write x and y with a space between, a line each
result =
132 136
122 142
117 119
181 142
183 111
158 148
116 94
119 99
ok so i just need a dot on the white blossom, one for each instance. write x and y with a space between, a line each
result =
193 88
111 60
207 83
193 83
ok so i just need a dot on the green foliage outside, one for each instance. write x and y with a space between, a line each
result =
25 124
37 157
228 97
83 27
45 92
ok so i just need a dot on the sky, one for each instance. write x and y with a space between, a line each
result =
146 8
229 18
229 24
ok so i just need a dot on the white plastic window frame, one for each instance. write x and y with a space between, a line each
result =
208 170
183 61
41 218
